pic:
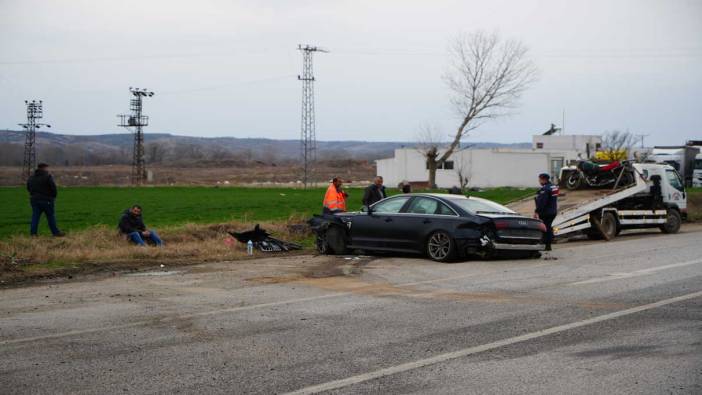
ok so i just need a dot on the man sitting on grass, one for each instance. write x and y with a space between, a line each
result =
133 226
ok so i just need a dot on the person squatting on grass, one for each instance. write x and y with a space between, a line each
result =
42 194
132 225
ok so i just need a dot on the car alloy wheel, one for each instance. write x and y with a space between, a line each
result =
440 246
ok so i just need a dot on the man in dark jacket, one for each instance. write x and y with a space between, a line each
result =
42 194
132 225
375 192
547 206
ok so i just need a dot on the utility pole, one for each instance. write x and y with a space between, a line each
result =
137 121
642 137
308 138
35 110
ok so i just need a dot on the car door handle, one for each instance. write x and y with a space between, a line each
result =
388 219
426 221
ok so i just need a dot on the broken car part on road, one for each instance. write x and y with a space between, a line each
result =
263 241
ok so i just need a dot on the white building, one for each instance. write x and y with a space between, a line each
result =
584 143
492 167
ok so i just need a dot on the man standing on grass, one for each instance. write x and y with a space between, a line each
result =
42 194
132 225
335 198
375 192
547 206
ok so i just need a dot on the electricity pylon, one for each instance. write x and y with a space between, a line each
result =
137 121
308 139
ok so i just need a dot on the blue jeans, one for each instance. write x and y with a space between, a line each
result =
138 239
46 207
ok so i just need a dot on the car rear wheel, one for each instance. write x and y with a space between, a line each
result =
440 247
672 222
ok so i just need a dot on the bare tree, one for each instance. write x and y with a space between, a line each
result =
463 171
487 76
616 145
429 141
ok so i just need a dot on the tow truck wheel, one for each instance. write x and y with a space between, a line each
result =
609 226
672 222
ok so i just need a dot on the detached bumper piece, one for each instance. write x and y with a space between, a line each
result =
263 241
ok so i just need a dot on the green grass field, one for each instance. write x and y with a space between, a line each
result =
82 207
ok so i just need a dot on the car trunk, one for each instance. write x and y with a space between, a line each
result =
517 229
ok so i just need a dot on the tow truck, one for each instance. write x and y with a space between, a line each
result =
657 198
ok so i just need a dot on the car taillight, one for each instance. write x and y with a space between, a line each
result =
542 227
501 225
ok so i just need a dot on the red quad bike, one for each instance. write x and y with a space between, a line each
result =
596 175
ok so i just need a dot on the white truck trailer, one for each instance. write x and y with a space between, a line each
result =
656 199
697 173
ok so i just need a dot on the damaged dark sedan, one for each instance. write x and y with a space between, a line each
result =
441 226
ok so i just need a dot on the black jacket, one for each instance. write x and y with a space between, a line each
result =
130 223
373 194
41 186
547 200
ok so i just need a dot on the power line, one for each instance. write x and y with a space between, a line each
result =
135 119
308 139
227 85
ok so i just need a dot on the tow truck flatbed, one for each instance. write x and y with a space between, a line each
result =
579 210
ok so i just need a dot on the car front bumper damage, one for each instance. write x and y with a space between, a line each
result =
518 247
485 244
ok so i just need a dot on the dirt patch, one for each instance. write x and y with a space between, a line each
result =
329 268
335 268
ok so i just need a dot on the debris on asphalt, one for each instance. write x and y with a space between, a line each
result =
263 241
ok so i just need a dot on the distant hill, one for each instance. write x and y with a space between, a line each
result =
169 148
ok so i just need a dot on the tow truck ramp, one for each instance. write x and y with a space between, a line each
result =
576 208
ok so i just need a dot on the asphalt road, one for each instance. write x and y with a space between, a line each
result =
596 317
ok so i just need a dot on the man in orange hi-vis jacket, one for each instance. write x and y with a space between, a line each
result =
335 198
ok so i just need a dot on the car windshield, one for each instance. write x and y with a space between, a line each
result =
476 206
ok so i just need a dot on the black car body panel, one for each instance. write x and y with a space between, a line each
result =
403 223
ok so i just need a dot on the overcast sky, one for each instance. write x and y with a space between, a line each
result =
229 68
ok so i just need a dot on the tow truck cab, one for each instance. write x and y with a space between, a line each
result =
672 187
